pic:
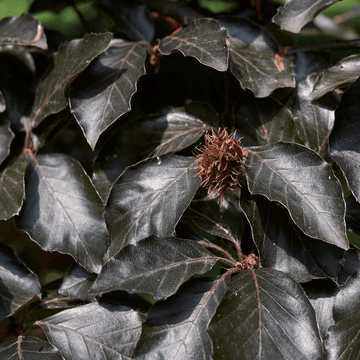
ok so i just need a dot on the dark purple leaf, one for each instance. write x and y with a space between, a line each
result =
142 138
265 122
156 265
77 283
25 30
2 102
176 328
70 60
307 63
62 211
149 198
345 137
18 284
12 188
265 315
252 58
6 137
204 39
295 14
94 331
305 184
283 247
102 93
29 348
131 18
353 215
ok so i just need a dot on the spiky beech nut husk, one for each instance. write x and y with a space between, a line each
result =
221 162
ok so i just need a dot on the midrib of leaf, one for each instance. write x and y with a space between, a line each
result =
259 305
64 208
18 347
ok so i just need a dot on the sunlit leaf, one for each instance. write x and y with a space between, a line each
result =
161 189
176 328
70 60
6 137
203 39
94 331
18 284
305 184
2 102
62 211
156 265
105 88
265 315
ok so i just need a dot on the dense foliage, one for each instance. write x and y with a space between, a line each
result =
182 185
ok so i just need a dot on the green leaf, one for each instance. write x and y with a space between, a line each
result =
265 315
62 211
305 184
69 61
204 39
161 188
102 93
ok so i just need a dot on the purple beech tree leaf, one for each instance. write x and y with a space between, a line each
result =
62 211
345 137
77 283
176 328
283 247
352 214
265 122
6 137
204 39
105 88
305 184
156 265
142 138
18 284
295 14
131 18
24 30
161 189
2 102
94 331
308 63
252 58
12 187
265 315
69 61
29 348
345 72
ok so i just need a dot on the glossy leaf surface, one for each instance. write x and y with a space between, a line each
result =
345 137
18 284
176 328
265 315
12 188
6 137
156 265
63 212
94 331
161 188
252 58
304 183
107 86
71 59
203 39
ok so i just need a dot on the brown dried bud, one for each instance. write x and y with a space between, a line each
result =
221 163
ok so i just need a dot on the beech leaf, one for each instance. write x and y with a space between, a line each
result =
345 137
176 328
70 60
305 184
12 188
295 14
156 265
29 348
62 211
6 137
110 82
161 188
24 30
94 331
265 315
252 58
18 284
204 39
